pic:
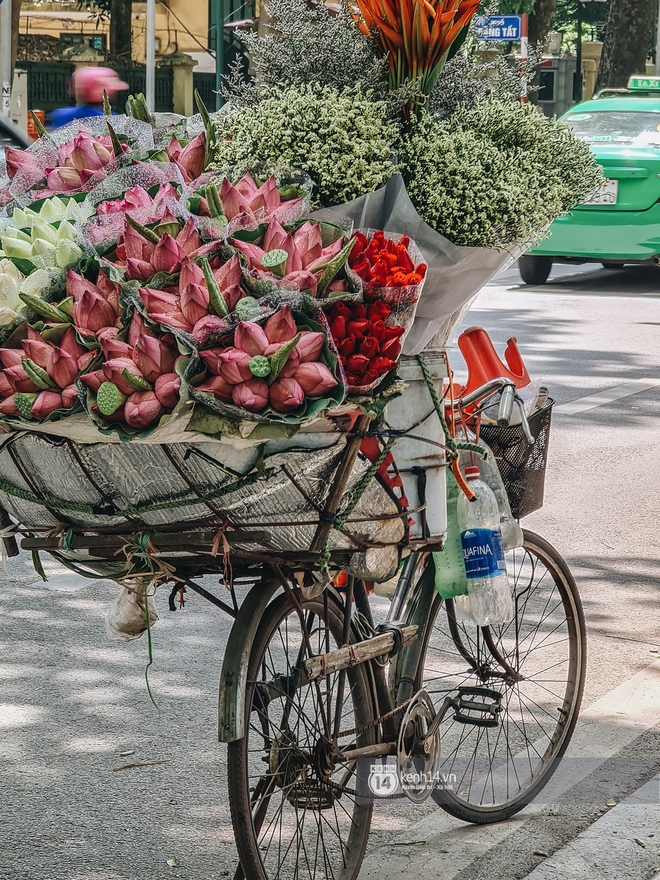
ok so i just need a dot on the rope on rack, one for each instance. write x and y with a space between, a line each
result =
84 507
340 519
453 446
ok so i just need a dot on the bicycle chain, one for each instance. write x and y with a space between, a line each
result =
356 731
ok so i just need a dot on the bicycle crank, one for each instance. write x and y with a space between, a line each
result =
418 748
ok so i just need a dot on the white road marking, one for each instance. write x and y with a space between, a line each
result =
603 397
620 841
443 846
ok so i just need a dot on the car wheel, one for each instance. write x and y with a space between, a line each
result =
534 270
612 264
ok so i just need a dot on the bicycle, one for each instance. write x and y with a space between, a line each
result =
485 713
313 694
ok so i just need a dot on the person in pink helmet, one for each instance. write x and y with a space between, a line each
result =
88 85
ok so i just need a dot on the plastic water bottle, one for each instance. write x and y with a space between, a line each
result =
489 597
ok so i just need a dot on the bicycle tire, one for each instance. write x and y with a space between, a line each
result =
466 799
255 850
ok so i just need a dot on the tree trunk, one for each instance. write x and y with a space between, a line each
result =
120 30
539 27
625 48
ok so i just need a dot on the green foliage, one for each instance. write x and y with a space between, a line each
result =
343 140
495 174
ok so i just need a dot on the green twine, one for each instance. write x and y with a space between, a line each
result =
150 656
84 507
452 445
358 491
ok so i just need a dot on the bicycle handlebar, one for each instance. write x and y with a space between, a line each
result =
508 397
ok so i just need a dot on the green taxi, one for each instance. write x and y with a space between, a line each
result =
620 222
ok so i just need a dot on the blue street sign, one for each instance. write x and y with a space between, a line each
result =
498 28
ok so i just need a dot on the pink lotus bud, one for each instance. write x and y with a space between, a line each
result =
6 388
188 239
135 246
254 253
314 379
194 302
310 345
229 273
281 327
137 328
275 237
235 366
159 301
139 270
92 313
292 362
233 295
8 407
69 397
85 360
191 157
70 344
62 368
113 369
19 379
308 241
251 395
191 273
136 197
11 357
174 148
208 327
250 337
233 203
166 389
38 351
64 179
45 404
115 348
109 291
300 280
286 395
167 255
21 160
94 380
211 357
87 153
107 333
267 197
326 255
176 320
76 285
219 387
246 186
153 357
142 409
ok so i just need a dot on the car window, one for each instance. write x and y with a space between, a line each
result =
616 126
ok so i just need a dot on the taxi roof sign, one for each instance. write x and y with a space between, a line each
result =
644 83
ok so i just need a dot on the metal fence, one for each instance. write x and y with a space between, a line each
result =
48 85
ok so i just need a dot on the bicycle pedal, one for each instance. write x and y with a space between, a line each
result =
484 702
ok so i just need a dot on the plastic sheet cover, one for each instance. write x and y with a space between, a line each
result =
133 485
455 274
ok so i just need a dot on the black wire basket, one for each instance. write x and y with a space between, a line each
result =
522 466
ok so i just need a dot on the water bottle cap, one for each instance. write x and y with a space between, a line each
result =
472 473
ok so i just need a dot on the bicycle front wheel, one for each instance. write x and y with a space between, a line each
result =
532 669
294 804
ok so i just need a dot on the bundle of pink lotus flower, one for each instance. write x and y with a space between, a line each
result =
278 365
247 203
39 374
136 381
201 300
297 259
80 159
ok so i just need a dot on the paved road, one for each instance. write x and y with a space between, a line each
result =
75 706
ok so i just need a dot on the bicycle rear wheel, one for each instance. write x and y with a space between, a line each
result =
533 667
294 805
